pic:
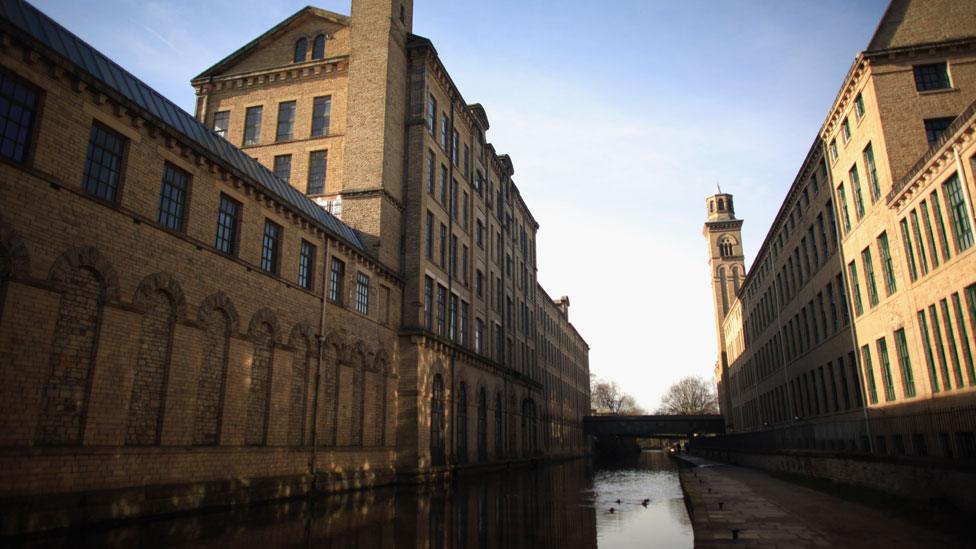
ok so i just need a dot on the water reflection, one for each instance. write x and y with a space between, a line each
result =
565 505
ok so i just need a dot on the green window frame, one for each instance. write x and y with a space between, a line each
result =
869 374
845 215
951 340
906 239
940 348
919 243
940 225
855 288
869 276
872 170
889 383
858 195
927 347
905 361
929 235
967 351
962 231
887 265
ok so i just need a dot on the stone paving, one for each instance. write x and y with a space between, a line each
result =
739 507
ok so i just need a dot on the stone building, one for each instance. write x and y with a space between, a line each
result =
854 328
181 328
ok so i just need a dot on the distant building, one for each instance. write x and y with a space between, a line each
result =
855 326
328 278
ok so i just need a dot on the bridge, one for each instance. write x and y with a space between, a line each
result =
653 426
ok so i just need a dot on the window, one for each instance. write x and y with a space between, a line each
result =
337 273
271 247
846 129
869 276
889 384
282 167
301 49
859 106
443 250
869 374
833 149
252 126
228 220
221 123
454 199
479 335
321 114
103 166
429 236
872 170
430 171
919 243
934 76
317 161
967 351
432 116
845 216
935 127
951 340
454 255
479 281
445 130
18 109
172 197
286 121
479 234
858 196
906 239
306 265
454 146
940 348
362 293
428 303
441 310
318 47
927 346
855 288
887 266
940 225
465 308
962 232
929 235
443 184
467 161
907 378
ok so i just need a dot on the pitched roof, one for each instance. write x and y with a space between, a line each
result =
35 25
229 61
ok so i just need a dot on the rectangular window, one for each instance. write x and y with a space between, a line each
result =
935 127
479 282
431 168
445 131
454 255
103 165
286 121
252 126
869 374
432 116
907 377
872 170
282 167
441 310
271 246
306 265
443 185
933 76
221 123
967 351
362 293
228 221
859 106
833 149
906 239
858 196
869 276
951 340
428 303
443 246
479 335
919 244
832 222
929 235
824 243
845 216
479 234
464 322
940 348
889 384
962 231
429 236
887 265
467 161
172 197
855 288
846 129
321 115
927 346
940 225
454 146
337 273
317 164
464 264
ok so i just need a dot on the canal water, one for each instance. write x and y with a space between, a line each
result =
573 504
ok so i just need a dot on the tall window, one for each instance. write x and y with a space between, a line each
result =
431 169
889 384
465 311
172 197
337 272
935 127
316 172
443 185
443 249
855 288
271 247
907 378
919 243
429 236
869 374
103 166
962 231
18 109
301 50
845 216
858 196
940 224
887 266
445 131
362 293
846 129
452 317
859 106
228 221
306 265
221 123
933 76
318 47
454 146
964 335
872 170
927 347
929 234
479 335
441 310
252 125
282 167
432 115
321 114
286 121
833 149
906 239
428 303
869 276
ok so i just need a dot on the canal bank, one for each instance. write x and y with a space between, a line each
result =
732 505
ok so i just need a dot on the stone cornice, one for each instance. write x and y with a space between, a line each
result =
330 68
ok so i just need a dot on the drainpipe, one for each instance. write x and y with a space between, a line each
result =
318 364
838 210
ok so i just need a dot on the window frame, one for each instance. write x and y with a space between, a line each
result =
234 241
362 293
33 126
184 205
271 263
306 265
123 155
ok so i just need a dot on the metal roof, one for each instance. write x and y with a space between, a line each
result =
38 26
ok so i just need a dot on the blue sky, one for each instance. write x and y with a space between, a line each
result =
620 117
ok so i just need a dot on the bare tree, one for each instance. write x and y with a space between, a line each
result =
607 398
692 396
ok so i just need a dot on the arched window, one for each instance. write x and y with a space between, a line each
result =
721 204
259 391
152 362
318 47
735 280
482 425
301 49
437 421
301 366
210 385
462 423
725 247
